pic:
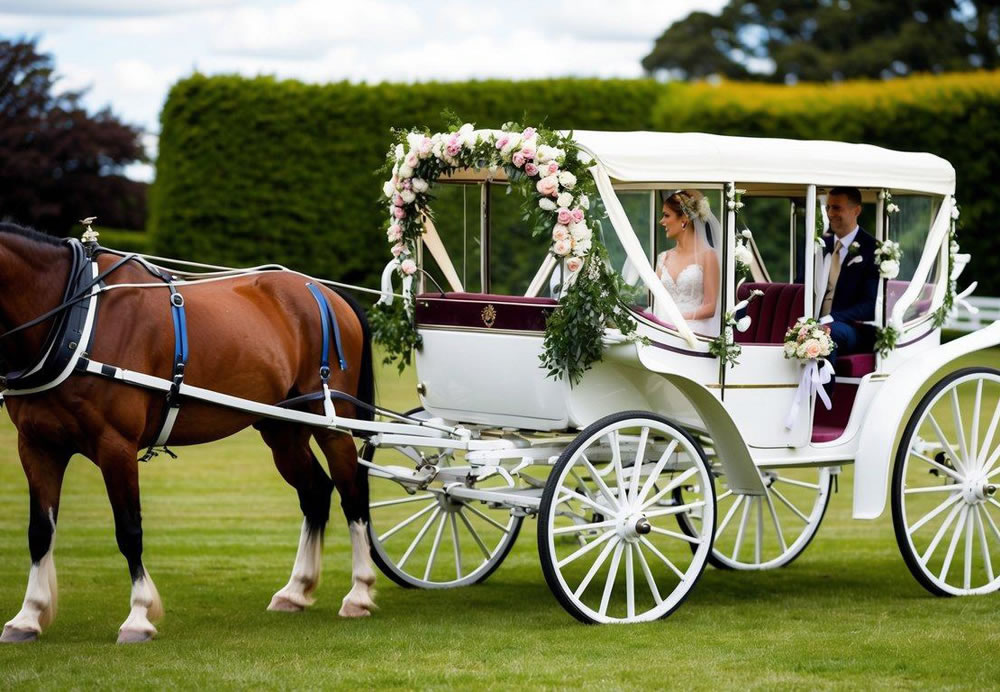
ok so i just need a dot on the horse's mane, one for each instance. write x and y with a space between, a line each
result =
30 233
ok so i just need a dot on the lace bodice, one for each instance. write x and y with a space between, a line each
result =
688 291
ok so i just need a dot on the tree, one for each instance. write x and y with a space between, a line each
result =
57 163
830 40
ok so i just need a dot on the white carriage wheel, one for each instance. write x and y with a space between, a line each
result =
944 506
759 532
609 547
427 540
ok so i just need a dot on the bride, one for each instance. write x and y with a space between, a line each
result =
690 270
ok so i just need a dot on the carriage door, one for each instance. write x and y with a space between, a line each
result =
760 391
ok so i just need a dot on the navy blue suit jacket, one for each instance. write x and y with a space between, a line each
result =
857 285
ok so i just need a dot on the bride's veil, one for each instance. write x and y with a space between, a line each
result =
710 230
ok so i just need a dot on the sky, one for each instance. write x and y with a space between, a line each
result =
129 52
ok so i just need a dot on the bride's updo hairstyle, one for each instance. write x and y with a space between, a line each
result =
687 203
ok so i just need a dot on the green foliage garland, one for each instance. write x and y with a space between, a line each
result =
886 339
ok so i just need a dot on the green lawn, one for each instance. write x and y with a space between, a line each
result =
221 530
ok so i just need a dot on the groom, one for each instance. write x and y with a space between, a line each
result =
847 284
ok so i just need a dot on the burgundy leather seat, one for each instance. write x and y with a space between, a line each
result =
772 313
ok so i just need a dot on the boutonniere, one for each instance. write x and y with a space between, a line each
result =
857 259
854 248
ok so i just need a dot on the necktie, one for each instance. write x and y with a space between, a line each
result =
831 283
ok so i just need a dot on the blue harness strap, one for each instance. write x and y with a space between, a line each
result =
329 321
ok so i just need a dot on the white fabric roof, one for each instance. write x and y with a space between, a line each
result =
693 157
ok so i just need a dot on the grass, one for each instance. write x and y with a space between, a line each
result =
220 535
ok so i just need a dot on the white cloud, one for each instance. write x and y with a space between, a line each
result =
109 8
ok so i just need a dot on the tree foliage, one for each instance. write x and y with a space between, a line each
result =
57 162
830 40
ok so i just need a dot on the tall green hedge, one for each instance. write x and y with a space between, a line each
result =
255 170
260 170
955 116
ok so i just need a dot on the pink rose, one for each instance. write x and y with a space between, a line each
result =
548 186
518 159
528 152
425 145
531 169
562 247
399 213
397 249
560 232
407 184
408 267
574 263
577 215
454 145
502 141
394 233
528 133
565 216
397 199
411 159
552 168
813 348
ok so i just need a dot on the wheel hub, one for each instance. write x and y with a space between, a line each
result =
632 526
977 490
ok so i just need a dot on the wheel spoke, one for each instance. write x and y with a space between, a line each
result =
669 487
974 442
676 509
988 440
579 528
612 544
609 583
629 584
602 486
993 525
402 501
434 546
956 414
932 489
633 486
785 501
954 542
616 462
967 575
987 562
934 512
760 529
944 443
777 524
673 534
649 576
585 549
475 535
729 514
456 545
801 484
724 495
487 519
939 535
419 537
655 473
940 467
743 527
572 494
646 542
406 522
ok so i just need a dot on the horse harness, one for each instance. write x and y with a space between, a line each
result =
67 346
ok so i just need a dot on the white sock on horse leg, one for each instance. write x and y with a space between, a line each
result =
360 600
146 605
297 593
42 594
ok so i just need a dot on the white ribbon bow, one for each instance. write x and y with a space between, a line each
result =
387 293
814 376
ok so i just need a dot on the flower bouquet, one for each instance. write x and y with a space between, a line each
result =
809 342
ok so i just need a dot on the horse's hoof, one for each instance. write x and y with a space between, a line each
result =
352 610
134 636
13 635
280 604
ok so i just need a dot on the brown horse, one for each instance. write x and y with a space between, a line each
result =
257 336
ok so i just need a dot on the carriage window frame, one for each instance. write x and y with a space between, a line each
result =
937 274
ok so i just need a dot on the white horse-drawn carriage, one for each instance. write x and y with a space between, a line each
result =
664 457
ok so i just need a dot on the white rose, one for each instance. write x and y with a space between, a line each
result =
800 352
955 213
408 196
562 247
560 232
420 185
582 246
513 142
547 204
567 180
580 231
389 189
889 269
789 349
565 199
412 159
408 267
405 171
399 151
743 254
583 201
414 139
559 154
467 134
743 324
544 153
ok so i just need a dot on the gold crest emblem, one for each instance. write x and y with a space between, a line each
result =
489 315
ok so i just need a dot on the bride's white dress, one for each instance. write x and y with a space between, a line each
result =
688 292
